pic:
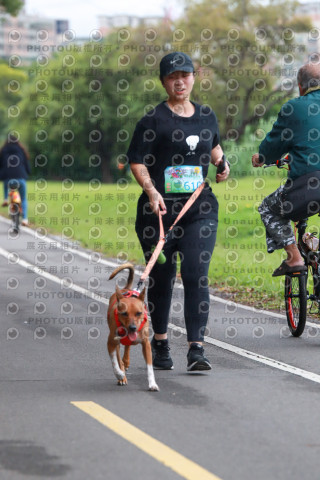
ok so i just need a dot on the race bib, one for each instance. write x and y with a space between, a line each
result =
183 179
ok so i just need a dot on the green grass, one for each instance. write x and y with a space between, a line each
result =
102 216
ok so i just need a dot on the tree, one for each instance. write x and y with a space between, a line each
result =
11 85
78 111
247 56
12 6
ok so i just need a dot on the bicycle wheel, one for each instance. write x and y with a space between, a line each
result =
295 294
15 211
16 221
15 217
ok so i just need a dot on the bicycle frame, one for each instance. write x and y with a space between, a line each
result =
312 261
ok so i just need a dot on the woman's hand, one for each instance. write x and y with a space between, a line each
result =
157 203
142 176
220 177
255 160
217 158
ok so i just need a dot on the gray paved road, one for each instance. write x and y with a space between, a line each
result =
248 419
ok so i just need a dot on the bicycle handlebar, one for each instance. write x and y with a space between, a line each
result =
281 163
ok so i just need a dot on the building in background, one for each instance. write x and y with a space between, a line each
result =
311 9
310 39
25 37
107 23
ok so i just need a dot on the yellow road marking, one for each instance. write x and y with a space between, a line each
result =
158 450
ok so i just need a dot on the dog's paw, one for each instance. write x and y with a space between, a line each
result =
120 375
154 388
123 381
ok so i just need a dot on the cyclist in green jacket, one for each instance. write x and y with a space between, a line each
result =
296 132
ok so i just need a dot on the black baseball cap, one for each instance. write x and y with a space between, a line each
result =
175 61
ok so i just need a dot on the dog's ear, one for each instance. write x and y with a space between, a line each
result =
118 293
142 294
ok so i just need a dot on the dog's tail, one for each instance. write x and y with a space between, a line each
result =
130 267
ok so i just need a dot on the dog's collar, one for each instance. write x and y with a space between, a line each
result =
121 330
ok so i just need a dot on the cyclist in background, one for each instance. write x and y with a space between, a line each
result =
15 165
296 132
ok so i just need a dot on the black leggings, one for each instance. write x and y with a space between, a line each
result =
195 243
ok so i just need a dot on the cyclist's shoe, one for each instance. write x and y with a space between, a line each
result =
5 203
196 359
160 355
25 222
286 269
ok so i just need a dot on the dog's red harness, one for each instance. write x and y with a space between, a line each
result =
121 330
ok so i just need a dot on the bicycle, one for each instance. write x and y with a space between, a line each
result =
15 207
296 293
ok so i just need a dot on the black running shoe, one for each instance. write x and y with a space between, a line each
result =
160 355
196 359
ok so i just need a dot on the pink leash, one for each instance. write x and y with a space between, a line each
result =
163 238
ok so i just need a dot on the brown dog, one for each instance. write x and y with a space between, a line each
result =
129 325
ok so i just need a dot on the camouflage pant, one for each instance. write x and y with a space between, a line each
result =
279 232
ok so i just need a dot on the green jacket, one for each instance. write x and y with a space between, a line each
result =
296 132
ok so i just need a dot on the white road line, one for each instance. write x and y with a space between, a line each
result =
64 283
88 256
61 244
225 346
271 362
